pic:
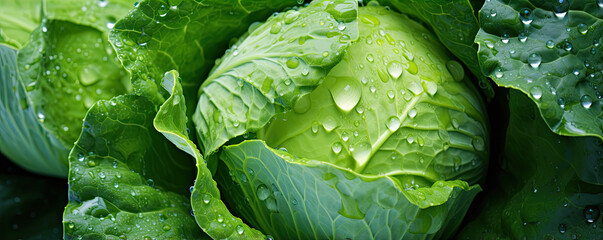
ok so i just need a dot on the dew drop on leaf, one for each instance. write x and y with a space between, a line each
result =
525 15
336 147
395 69
591 213
393 123
534 60
262 192
586 101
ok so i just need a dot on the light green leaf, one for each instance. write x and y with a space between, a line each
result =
455 24
545 187
66 68
551 51
291 198
25 140
18 19
159 36
269 70
100 14
391 109
126 180
209 210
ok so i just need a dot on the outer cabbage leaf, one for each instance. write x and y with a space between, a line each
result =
65 68
126 180
18 19
31 205
293 198
268 71
99 14
159 36
551 51
543 189
209 210
391 107
455 24
25 140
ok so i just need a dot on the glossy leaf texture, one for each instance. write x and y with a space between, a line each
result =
127 180
210 212
546 186
551 51
65 68
292 198
18 19
390 107
455 25
25 140
270 69
159 36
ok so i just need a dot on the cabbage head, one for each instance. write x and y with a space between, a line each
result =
337 121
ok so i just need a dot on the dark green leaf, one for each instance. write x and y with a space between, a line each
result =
126 180
544 185
551 51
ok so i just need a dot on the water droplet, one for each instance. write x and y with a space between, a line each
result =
395 69
591 213
325 54
561 7
361 153
492 13
412 113
163 10
410 139
562 228
525 15
536 92
206 198
103 3
498 73
329 124
262 192
346 93
582 28
561 102
370 58
336 147
534 60
412 68
240 228
315 127
345 136
600 3
489 44
550 44
567 46
478 143
586 101
504 38
456 70
293 62
291 16
373 89
523 37
276 27
391 94
393 123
